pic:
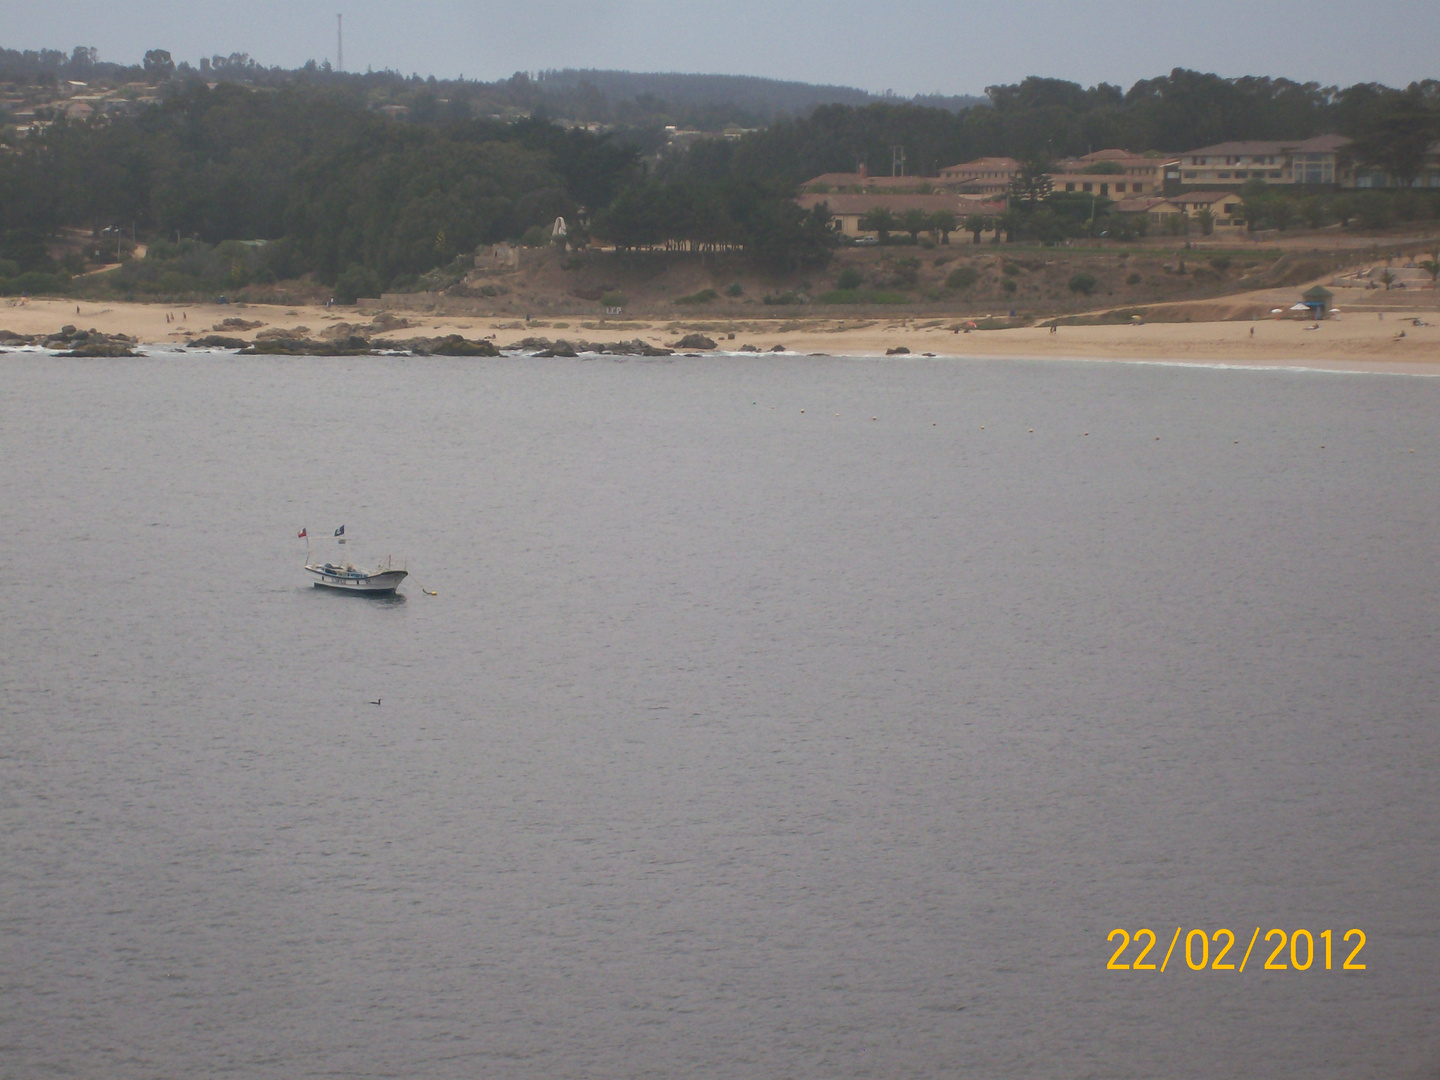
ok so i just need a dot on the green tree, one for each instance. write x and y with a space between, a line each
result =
1010 223
879 220
943 223
1032 183
158 66
975 224
1315 212
1398 134
1206 220
915 222
1082 283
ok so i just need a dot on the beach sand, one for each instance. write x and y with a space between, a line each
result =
1357 341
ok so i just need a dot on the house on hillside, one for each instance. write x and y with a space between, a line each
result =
1111 174
1296 161
1158 212
861 183
983 176
1226 209
847 209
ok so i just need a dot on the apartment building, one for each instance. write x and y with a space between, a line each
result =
1298 161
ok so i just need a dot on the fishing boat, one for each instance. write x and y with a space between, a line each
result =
347 577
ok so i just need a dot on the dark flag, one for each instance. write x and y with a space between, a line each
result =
340 531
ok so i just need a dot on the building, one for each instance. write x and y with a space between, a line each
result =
1297 161
1157 211
847 208
1111 173
861 183
1106 173
1226 208
983 176
1318 301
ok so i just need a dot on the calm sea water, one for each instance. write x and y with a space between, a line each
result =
774 718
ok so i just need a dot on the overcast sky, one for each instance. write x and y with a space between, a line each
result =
913 46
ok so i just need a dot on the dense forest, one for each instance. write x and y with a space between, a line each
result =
365 199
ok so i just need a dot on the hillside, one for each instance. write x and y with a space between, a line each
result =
960 279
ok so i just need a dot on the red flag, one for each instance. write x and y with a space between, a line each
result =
302 535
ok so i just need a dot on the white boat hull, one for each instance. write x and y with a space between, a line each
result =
358 581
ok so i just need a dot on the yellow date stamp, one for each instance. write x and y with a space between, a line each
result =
1199 955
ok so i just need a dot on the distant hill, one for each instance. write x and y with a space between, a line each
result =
765 99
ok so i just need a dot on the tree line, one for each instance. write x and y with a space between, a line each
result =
1048 119
348 194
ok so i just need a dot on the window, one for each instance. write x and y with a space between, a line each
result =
1275 175
1137 187
1086 187
1241 175
1119 188
1222 176
1190 176
1070 186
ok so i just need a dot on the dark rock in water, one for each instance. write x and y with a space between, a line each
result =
450 345
694 341
749 348
102 348
455 345
91 343
237 324
777 348
899 350
634 347
219 341
9 337
351 346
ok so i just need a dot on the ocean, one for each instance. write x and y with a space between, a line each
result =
773 717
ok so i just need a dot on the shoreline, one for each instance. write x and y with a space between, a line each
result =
1386 342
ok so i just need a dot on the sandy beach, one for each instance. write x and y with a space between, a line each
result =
1386 341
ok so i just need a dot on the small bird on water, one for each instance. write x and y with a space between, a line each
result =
375 702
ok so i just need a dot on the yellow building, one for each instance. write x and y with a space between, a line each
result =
1297 161
983 176
848 209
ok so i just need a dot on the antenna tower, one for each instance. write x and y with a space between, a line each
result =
339 42
897 161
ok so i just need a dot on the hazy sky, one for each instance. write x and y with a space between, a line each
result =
913 46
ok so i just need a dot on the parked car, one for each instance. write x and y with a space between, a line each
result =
866 241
